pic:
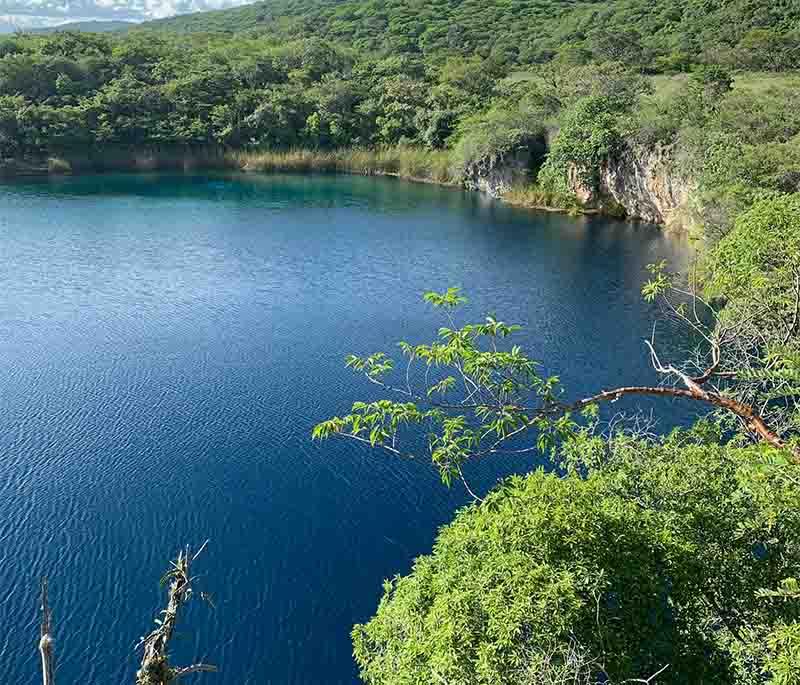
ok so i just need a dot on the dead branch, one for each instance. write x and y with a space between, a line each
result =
791 328
155 668
46 639
648 681
749 416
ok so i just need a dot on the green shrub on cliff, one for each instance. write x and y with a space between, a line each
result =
590 133
502 128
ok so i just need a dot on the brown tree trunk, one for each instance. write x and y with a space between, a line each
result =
754 422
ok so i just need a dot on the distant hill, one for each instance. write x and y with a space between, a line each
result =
88 26
523 31
237 19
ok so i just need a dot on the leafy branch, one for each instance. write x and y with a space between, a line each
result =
475 396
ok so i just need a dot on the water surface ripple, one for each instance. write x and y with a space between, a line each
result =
166 345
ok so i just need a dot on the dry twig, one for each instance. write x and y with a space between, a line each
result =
155 668
46 639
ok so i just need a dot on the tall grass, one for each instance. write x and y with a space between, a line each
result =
57 165
535 197
429 166
404 162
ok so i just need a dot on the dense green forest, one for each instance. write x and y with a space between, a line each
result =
655 36
639 557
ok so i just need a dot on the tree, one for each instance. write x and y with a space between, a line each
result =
623 46
75 44
155 667
769 49
43 127
140 55
336 121
11 141
280 117
231 121
707 86
590 134
259 72
394 105
9 46
755 273
129 111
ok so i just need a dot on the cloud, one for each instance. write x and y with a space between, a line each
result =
29 13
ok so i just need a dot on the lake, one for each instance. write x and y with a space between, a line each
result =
167 343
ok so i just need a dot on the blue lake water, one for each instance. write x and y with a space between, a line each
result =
167 342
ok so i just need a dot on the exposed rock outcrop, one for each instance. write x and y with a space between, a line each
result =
639 183
643 182
497 173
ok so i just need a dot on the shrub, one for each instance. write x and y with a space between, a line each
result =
590 133
497 131
655 558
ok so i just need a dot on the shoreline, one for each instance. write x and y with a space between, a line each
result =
299 162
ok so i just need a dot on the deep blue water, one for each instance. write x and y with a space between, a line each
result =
167 344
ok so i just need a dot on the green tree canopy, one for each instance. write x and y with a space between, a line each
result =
653 563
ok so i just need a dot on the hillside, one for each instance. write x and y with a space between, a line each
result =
88 27
445 84
648 32
235 20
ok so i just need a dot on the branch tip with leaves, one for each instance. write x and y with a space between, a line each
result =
475 396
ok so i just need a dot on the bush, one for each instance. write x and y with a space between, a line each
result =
535 196
655 558
497 131
589 135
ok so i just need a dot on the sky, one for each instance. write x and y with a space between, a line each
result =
23 14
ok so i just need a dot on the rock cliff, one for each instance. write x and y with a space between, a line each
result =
644 182
497 173
641 183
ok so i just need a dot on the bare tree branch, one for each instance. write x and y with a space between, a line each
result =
155 668
647 681
46 639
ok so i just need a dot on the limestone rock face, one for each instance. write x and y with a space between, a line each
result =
643 182
496 174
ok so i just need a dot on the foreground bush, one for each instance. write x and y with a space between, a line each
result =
654 561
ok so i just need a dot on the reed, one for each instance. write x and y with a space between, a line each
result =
403 162
58 165
536 197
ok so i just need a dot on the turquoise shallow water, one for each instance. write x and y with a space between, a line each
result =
167 344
